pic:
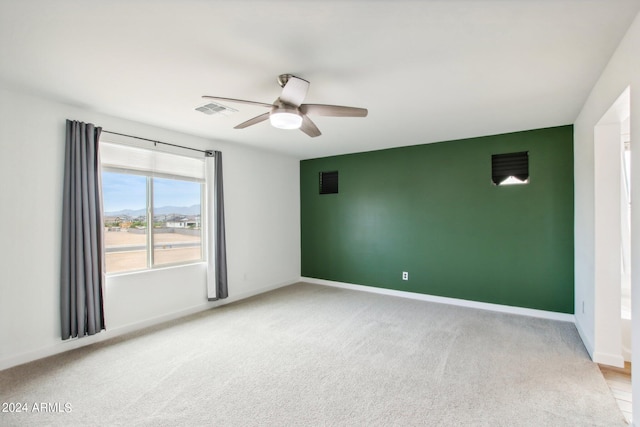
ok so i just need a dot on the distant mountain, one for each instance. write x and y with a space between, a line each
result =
163 210
180 210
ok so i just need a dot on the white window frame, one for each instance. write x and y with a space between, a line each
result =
121 158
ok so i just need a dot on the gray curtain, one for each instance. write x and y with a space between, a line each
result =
82 263
221 241
217 252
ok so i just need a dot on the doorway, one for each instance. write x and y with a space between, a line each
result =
612 219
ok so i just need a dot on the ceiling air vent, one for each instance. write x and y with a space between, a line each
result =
213 108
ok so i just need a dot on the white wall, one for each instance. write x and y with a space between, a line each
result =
263 230
623 70
608 243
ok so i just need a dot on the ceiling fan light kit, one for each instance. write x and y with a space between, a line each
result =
288 111
285 118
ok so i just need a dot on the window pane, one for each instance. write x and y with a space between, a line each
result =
125 239
177 231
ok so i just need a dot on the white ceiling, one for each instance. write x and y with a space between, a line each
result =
427 71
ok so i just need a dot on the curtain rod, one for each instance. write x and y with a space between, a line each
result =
208 153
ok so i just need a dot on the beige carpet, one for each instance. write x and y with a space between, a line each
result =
313 355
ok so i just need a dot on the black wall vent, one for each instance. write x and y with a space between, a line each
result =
510 168
329 182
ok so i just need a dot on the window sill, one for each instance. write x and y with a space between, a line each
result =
154 269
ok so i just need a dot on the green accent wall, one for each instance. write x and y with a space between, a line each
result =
432 210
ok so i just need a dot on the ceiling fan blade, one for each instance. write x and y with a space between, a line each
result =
253 121
309 127
294 92
241 101
333 110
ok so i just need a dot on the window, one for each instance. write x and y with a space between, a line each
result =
329 182
152 205
510 168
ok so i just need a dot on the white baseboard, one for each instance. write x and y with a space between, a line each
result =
609 359
74 343
585 338
564 317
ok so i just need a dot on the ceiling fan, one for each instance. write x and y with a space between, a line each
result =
288 111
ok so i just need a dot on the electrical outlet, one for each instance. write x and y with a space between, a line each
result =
405 275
